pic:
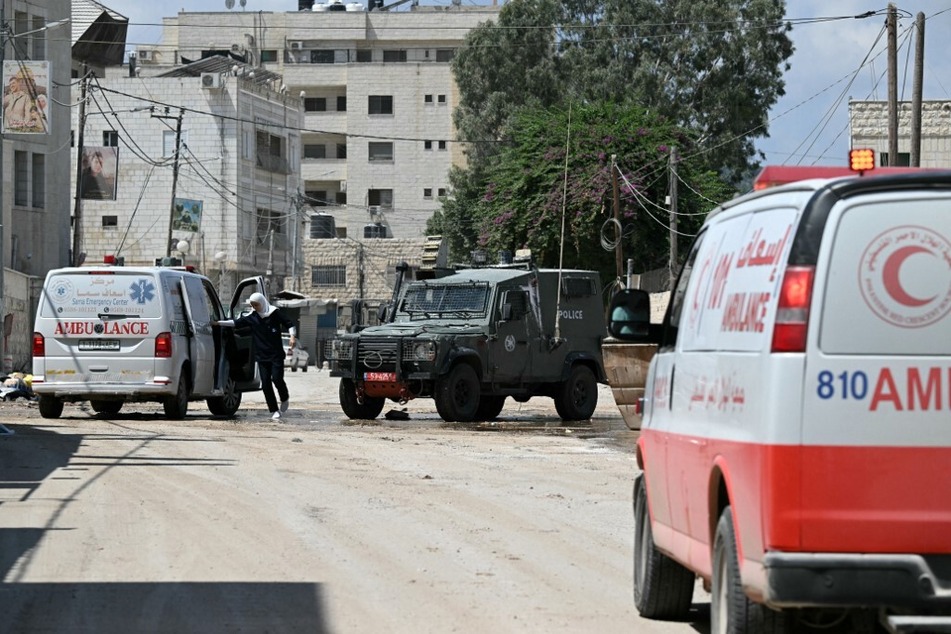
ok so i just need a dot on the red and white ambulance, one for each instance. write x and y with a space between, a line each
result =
796 441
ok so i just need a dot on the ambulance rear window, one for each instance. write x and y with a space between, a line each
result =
85 295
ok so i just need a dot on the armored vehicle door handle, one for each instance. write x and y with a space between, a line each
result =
670 393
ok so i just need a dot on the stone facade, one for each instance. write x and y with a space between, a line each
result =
869 129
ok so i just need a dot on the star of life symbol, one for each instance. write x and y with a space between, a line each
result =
142 291
61 291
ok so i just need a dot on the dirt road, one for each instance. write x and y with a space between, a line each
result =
316 524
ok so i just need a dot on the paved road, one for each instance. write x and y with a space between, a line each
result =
317 523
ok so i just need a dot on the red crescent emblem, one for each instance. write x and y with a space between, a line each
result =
891 281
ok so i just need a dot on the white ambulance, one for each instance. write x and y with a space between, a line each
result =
112 334
796 441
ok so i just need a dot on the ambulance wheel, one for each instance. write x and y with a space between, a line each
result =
109 408
663 588
369 409
176 406
226 404
578 396
489 407
50 406
731 611
457 394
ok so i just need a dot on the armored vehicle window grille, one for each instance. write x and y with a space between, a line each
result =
578 287
447 298
519 302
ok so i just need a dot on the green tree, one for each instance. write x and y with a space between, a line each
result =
532 199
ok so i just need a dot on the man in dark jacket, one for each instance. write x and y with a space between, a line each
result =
266 323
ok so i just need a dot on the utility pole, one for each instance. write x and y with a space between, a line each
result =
618 260
78 203
673 216
916 91
178 146
891 23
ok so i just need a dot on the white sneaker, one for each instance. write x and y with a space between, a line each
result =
276 416
284 405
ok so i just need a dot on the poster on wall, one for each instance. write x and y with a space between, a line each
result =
187 215
99 168
25 97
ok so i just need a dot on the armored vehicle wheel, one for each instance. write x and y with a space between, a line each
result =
226 404
663 589
578 396
108 408
50 406
369 409
489 407
176 406
457 394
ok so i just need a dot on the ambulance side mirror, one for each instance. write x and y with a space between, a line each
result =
629 315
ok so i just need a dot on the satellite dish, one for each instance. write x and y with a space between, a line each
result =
229 4
243 2
457 2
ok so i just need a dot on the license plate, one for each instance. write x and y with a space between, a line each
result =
98 344
380 377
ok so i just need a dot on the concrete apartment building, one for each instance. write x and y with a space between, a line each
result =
236 138
377 92
868 121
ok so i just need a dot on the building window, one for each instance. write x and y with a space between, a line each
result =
428 192
168 141
441 100
380 151
380 198
110 138
445 54
427 145
322 57
39 37
315 151
341 198
428 100
904 159
21 176
380 104
268 56
315 104
364 55
110 221
317 197
394 56
442 145
342 103
269 222
341 150
39 181
441 192
332 275
269 152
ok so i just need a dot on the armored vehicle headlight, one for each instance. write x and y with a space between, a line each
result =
424 351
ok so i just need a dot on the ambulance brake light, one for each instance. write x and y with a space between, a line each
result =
792 314
862 160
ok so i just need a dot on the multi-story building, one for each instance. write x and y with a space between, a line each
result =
868 121
376 87
198 163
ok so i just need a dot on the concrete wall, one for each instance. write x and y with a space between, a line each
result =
869 123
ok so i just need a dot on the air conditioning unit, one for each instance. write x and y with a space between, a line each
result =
145 55
235 48
374 210
210 80
296 46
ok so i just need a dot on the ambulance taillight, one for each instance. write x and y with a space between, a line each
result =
792 314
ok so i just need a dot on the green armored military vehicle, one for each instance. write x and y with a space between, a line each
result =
471 339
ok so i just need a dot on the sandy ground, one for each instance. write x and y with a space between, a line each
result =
318 524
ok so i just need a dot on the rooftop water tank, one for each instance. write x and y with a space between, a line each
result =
355 6
374 230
